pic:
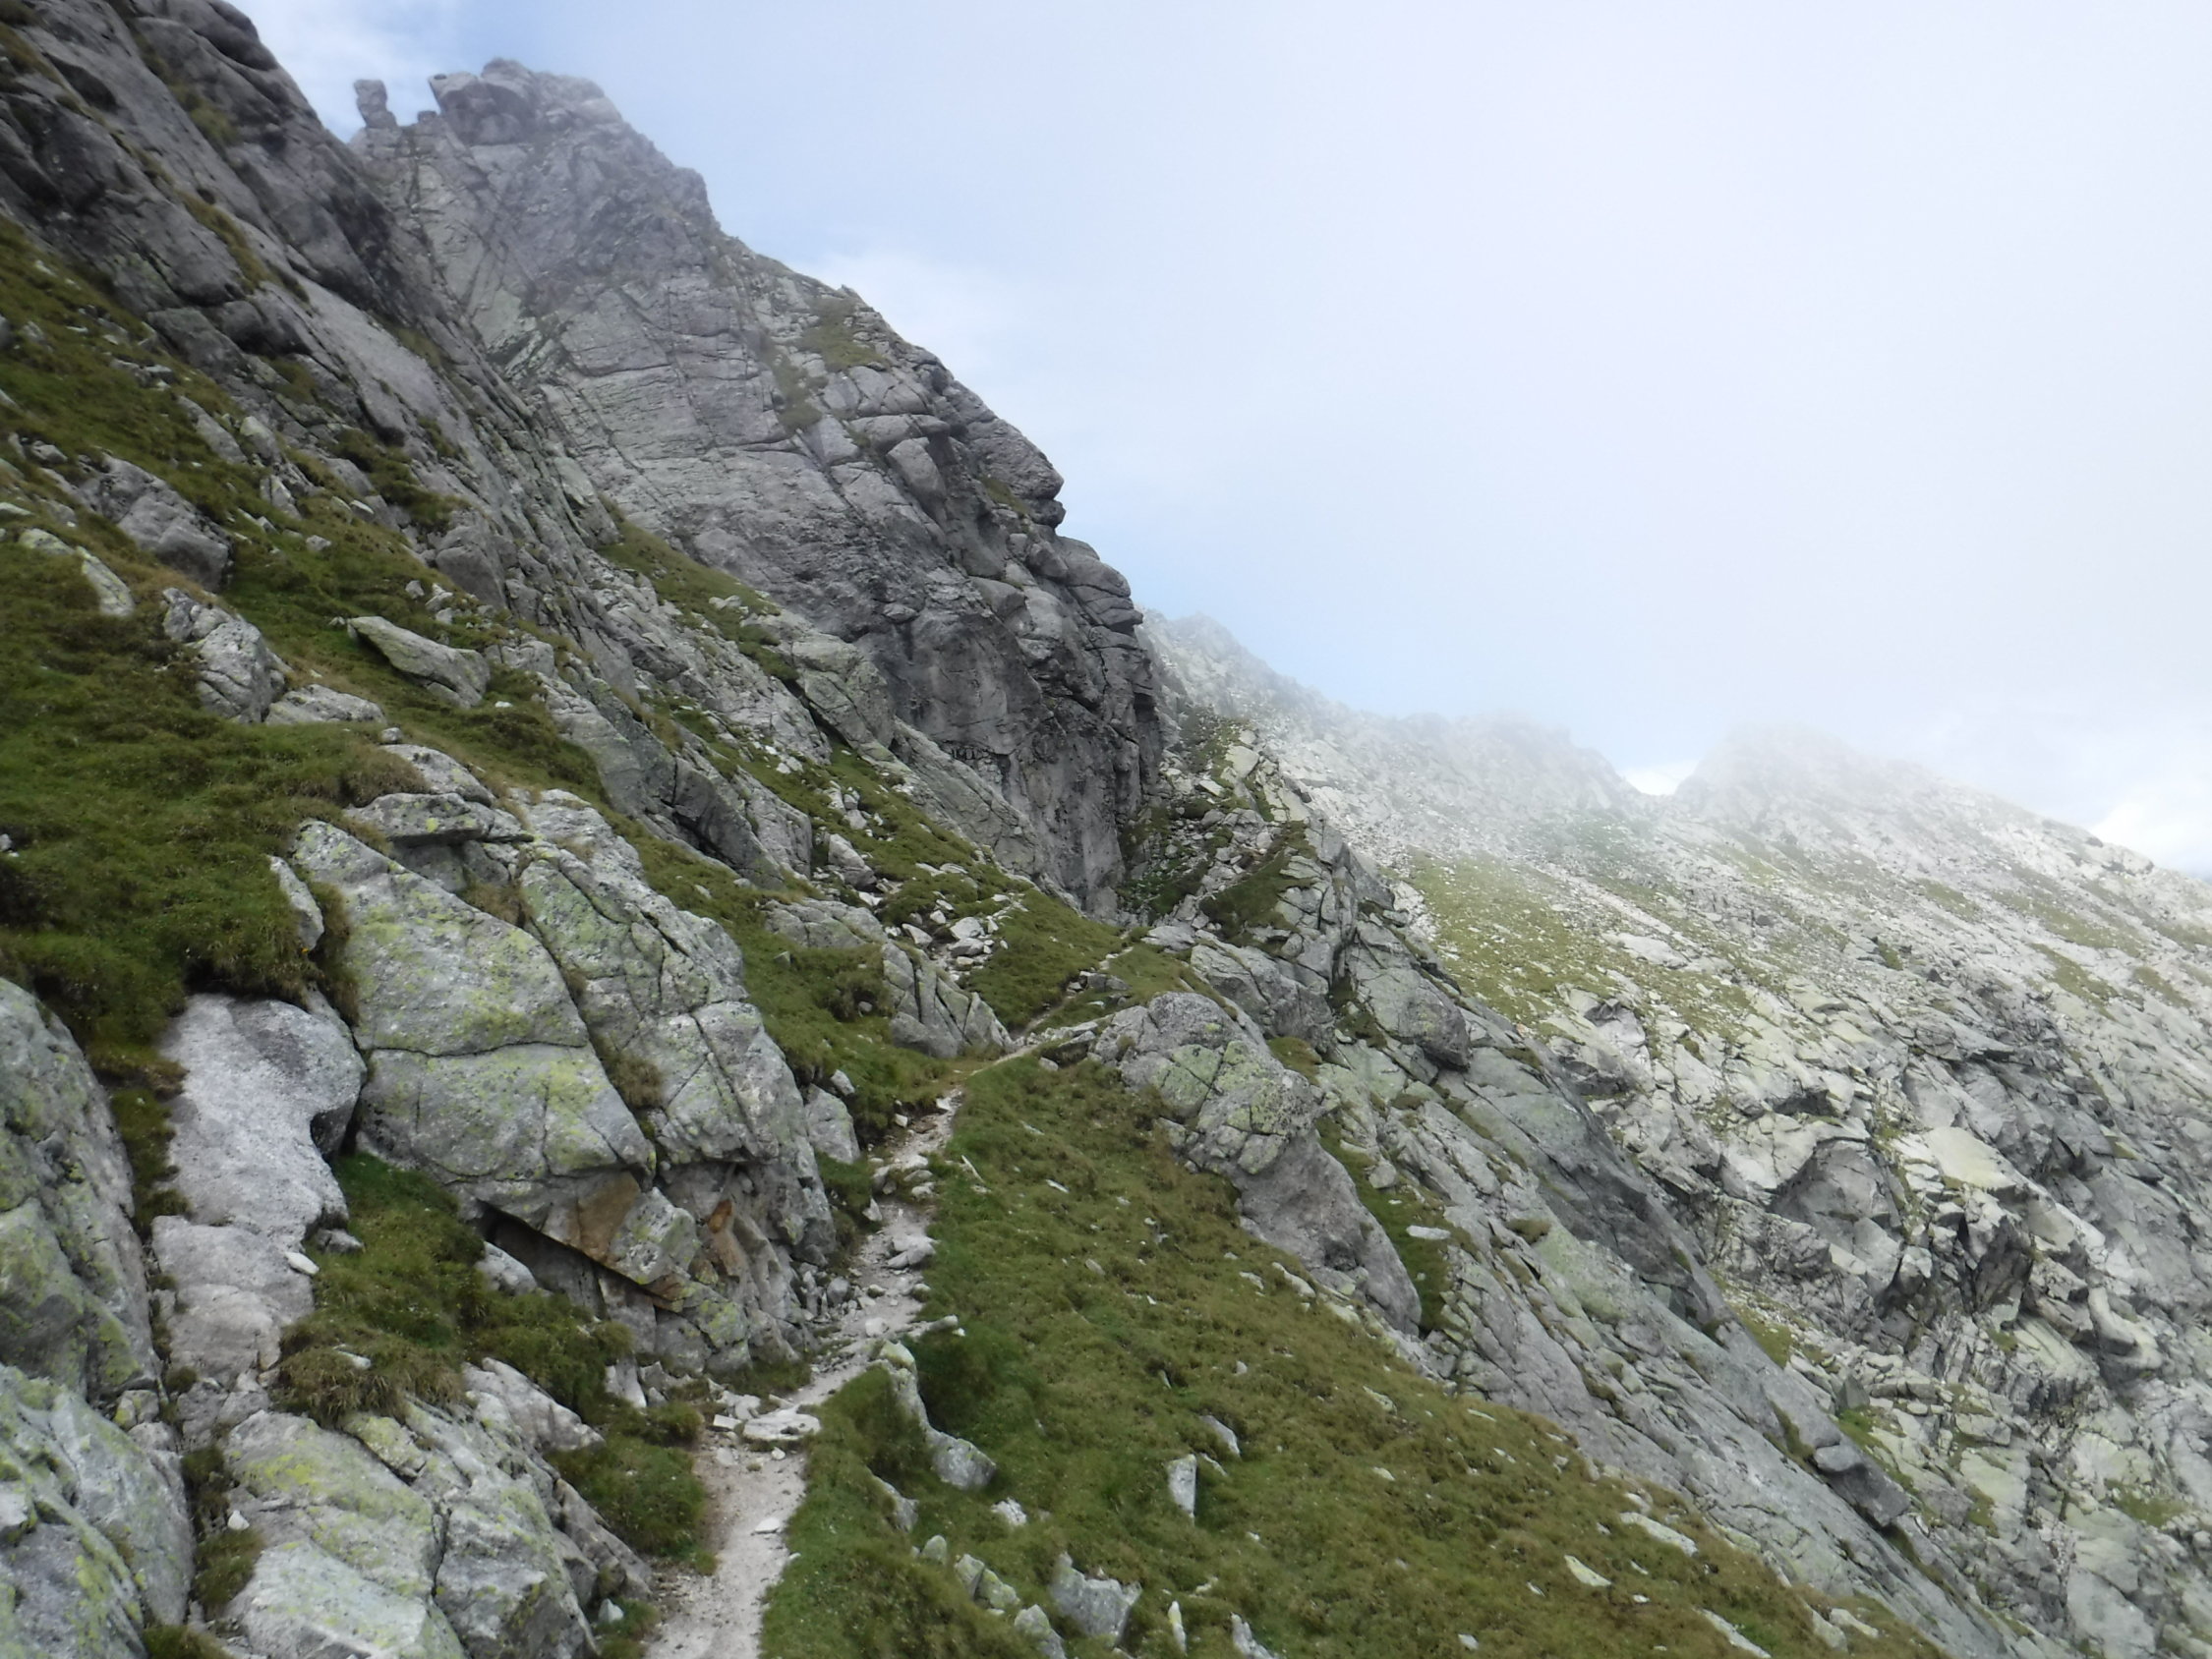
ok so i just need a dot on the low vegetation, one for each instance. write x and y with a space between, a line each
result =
413 1305
1103 1294
140 827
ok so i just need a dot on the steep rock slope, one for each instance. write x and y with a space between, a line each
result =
1924 1075
773 427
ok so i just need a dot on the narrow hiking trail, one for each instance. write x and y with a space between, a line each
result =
753 1491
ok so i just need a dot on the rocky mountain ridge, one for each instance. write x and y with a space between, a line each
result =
1922 1074
537 743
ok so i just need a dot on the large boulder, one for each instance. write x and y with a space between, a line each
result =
96 1543
1285 1001
480 1071
304 1604
298 1482
1405 1001
461 677
268 1093
72 1301
1237 1108
240 677
1239 1112
665 989
161 523
933 1015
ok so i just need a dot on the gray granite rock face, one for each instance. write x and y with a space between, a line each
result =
268 1094
1868 1045
776 428
95 1544
161 523
95 1539
1975 1196
686 1209
1568 1285
480 1069
439 1536
1242 1113
73 1304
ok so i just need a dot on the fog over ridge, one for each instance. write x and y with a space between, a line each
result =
1648 373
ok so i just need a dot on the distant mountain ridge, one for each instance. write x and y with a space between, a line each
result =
1923 1071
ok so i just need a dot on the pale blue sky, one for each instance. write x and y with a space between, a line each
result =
1643 368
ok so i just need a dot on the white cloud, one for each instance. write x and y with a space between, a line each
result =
2168 816
328 45
1659 780
973 317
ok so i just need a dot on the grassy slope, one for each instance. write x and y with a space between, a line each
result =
142 828
1101 1323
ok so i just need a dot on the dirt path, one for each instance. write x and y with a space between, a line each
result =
752 1492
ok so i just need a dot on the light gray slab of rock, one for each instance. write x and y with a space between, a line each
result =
72 1301
302 1603
435 820
1239 1112
240 677
321 705
531 1413
236 1292
95 1542
1032 1623
306 913
298 1481
444 773
1096 1607
1182 1484
507 1273
268 1093
932 1014
959 1463
159 521
460 676
829 1125
502 1581
1247 1646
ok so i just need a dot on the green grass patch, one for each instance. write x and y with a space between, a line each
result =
2155 1510
412 1305
2071 976
1043 946
140 824
1773 1338
1949 898
1250 901
141 1119
222 1559
182 1641
1101 1322
832 339
1146 970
